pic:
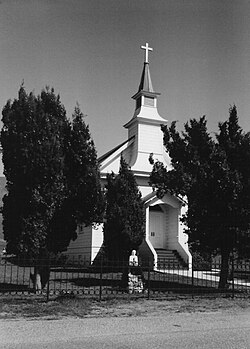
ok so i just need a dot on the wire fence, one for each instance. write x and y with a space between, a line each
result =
18 276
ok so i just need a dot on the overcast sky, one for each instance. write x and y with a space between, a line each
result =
89 51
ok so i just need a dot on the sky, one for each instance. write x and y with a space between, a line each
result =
89 51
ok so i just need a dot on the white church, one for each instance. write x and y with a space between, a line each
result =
165 239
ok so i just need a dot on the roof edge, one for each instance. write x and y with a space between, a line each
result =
112 151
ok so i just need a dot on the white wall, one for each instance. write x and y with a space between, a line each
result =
172 228
80 249
150 139
177 239
165 209
97 240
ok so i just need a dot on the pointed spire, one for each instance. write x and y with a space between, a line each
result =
146 83
145 100
146 87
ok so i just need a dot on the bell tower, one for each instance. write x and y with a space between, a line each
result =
145 125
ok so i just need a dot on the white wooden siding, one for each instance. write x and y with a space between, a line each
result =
97 240
173 228
81 247
150 139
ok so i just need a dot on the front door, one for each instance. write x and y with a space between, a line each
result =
156 228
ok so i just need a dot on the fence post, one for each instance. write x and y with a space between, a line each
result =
192 280
148 279
100 290
47 291
5 266
233 276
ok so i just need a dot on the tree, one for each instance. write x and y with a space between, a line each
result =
36 139
33 159
235 145
124 228
213 174
84 203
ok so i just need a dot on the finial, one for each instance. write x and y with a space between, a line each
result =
146 48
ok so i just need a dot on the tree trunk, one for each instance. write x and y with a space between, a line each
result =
224 269
125 270
124 281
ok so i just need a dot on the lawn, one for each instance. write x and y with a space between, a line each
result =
34 307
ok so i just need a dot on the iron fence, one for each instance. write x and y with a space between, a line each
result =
17 276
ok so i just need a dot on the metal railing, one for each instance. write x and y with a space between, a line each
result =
17 276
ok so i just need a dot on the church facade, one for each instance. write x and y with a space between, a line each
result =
165 240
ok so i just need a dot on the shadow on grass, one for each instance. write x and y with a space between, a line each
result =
9 287
114 283
155 286
90 281
174 287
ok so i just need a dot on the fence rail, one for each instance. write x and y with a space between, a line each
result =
111 279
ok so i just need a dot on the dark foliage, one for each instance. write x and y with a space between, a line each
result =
124 228
37 143
214 176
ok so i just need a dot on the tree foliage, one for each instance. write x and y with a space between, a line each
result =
84 202
124 227
214 175
37 144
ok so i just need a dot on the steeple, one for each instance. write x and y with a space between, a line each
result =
146 97
144 128
146 83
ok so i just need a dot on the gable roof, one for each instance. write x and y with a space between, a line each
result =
112 151
153 198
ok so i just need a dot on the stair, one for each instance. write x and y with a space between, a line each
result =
169 259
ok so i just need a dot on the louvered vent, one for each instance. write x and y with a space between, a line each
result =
149 101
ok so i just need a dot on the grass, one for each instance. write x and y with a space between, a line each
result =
65 306
172 293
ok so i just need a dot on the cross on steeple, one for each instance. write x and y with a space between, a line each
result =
146 48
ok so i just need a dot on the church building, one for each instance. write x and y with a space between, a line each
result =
165 240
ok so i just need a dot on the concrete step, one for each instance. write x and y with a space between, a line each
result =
169 259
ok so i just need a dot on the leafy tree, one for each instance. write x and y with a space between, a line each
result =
124 227
213 174
37 142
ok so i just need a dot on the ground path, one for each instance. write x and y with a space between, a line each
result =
221 329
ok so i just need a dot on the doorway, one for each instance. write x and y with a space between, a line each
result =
156 226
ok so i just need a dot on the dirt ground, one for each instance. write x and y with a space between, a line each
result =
19 308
